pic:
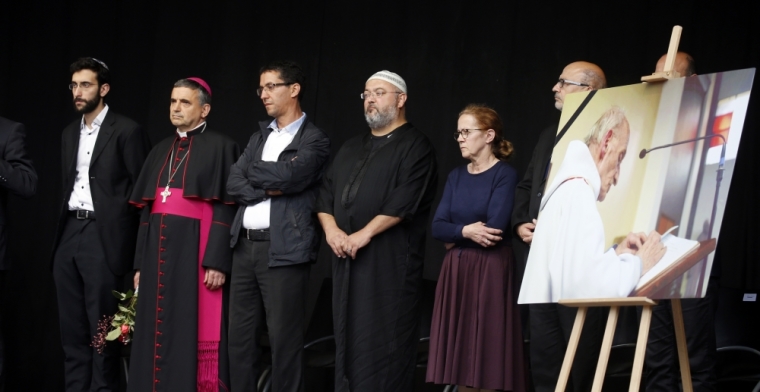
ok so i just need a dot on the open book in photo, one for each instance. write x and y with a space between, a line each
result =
677 249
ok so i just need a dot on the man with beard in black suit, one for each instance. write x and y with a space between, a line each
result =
102 155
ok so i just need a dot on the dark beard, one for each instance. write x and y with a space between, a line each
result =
88 107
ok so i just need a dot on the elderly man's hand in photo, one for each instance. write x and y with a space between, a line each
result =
631 244
649 248
651 251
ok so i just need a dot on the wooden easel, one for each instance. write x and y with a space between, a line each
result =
654 288
668 72
616 303
609 333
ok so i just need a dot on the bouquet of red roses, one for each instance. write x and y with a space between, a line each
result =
119 326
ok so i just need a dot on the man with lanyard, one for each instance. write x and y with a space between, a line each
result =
551 324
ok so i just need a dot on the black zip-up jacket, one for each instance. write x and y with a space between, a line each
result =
297 173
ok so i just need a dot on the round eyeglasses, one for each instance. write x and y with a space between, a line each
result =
464 133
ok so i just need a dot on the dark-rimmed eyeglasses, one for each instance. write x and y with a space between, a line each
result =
269 87
464 133
563 82
377 94
84 85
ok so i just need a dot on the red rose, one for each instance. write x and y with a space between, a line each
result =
124 329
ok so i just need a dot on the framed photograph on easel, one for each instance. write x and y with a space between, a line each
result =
638 159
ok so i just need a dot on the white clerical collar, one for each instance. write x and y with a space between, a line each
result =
577 164
184 134
291 128
97 121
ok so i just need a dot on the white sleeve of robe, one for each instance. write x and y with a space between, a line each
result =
567 259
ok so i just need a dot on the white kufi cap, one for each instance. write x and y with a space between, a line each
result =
392 78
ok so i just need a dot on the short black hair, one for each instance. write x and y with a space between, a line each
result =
203 96
100 68
290 72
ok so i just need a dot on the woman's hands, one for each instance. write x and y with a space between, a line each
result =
481 234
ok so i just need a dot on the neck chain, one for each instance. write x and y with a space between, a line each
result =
166 192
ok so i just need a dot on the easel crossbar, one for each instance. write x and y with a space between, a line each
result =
641 342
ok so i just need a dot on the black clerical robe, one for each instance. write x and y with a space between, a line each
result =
166 348
376 296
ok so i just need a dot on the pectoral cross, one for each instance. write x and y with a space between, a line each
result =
166 193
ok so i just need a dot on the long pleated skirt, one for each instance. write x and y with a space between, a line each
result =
475 337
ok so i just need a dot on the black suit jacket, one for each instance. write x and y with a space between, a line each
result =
529 192
117 158
17 175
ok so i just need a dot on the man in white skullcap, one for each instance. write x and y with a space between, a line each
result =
374 207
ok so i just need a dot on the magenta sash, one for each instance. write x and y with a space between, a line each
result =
209 302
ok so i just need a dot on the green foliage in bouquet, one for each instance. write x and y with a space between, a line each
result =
121 325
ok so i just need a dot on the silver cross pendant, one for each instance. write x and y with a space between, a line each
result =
165 193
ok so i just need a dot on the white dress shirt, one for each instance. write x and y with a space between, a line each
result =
257 216
81 198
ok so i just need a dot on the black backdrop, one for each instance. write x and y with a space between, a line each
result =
451 52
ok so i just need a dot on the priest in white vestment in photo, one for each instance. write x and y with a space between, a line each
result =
568 259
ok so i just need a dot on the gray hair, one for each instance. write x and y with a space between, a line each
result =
611 119
203 95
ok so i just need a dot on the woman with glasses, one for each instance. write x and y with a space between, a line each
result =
475 337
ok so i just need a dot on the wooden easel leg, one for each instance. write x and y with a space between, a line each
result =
683 351
641 349
604 355
572 346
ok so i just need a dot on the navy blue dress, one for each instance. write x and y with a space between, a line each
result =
475 337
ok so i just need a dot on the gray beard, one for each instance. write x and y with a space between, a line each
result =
381 119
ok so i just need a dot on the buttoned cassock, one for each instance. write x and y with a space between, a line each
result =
169 352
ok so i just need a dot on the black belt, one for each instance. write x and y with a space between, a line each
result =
255 234
82 214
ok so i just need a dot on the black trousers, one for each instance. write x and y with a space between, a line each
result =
550 328
266 298
662 370
83 284
3 363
